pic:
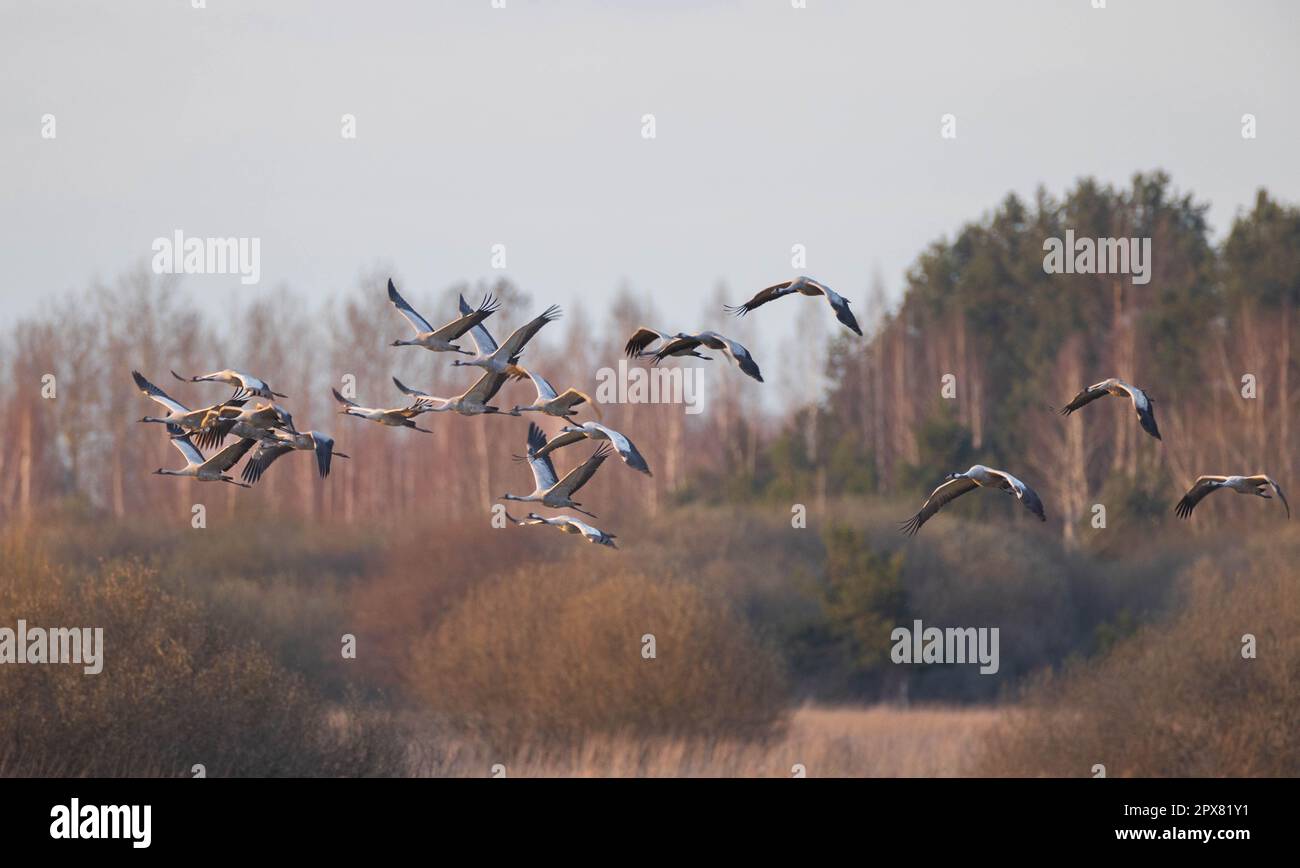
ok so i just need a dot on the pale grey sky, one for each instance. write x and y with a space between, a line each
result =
522 126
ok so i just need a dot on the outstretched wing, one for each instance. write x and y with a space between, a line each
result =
232 378
545 391
414 393
1261 479
642 338
772 293
571 398
1147 418
483 341
945 493
158 394
213 435
543 469
249 385
419 323
324 453
182 442
1086 396
1146 410
263 458
226 458
738 353
1023 493
566 439
1198 492
344 401
522 335
626 449
578 476
467 321
486 387
592 534
840 305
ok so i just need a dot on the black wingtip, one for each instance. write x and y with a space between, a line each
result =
536 438
846 317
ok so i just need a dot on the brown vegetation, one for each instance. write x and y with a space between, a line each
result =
1179 697
881 742
178 688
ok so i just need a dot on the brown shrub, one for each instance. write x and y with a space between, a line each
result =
1178 698
176 689
554 654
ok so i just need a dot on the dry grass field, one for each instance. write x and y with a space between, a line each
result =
876 741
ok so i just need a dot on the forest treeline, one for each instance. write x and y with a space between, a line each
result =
1214 323
1210 338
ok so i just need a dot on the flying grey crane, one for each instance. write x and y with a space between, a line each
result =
439 340
1142 403
548 402
683 344
399 417
472 402
567 524
282 444
549 490
177 413
205 469
244 384
503 359
979 476
258 421
1206 485
804 286
596 431
639 344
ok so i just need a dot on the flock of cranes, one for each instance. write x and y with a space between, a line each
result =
252 415
263 424
979 476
